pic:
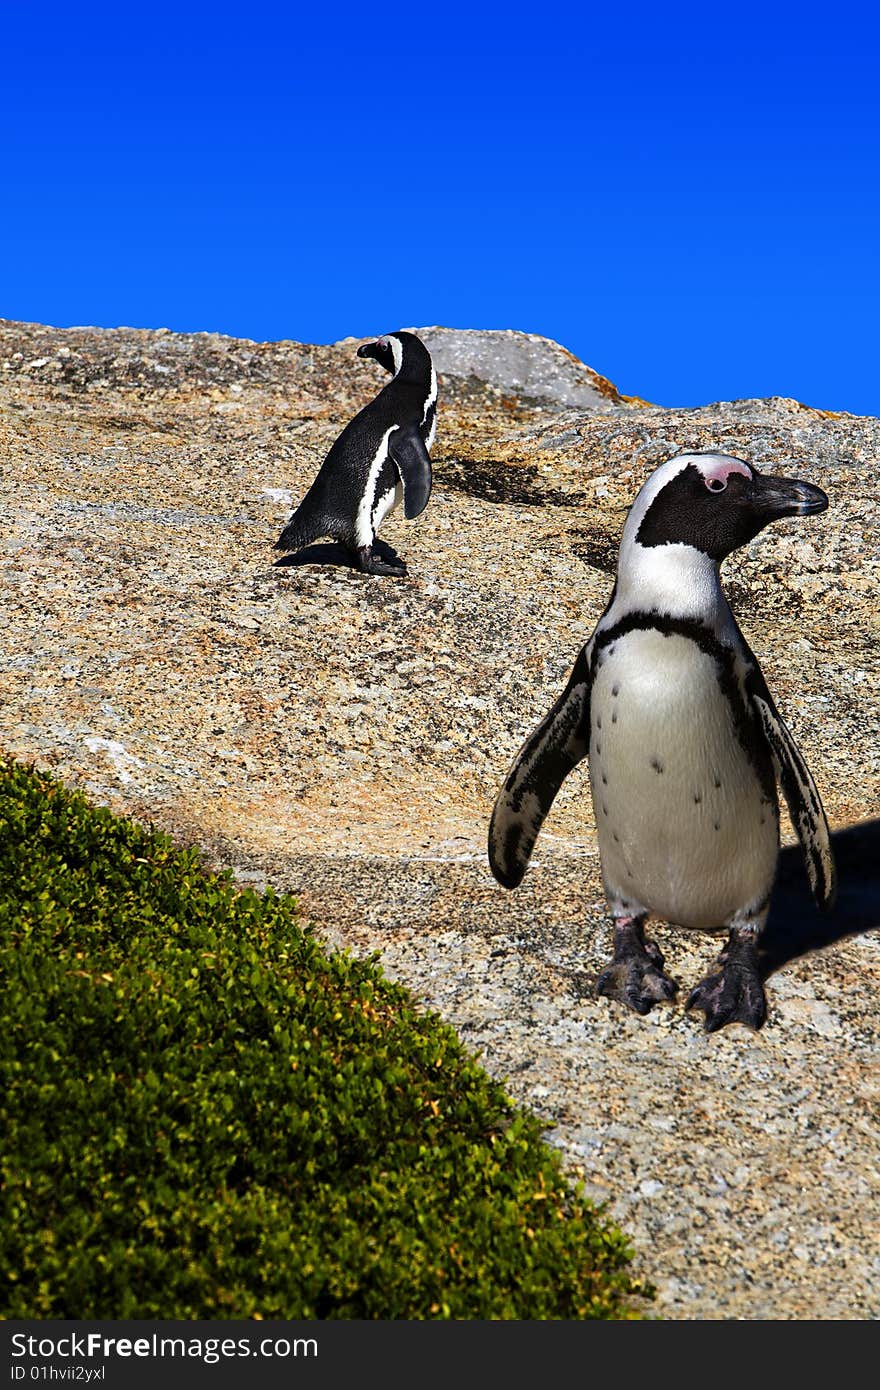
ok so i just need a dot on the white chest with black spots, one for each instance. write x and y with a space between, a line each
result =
685 829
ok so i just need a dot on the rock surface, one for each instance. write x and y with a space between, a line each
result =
344 736
532 369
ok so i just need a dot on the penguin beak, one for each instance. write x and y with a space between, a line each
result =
775 497
368 350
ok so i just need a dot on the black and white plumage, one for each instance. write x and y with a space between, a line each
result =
684 742
380 459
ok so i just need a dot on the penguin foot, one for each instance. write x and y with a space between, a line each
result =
370 563
635 976
735 993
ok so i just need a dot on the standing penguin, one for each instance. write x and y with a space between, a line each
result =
685 744
379 459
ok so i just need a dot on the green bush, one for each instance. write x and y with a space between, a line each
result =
205 1115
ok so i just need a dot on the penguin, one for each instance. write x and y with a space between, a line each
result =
684 744
380 459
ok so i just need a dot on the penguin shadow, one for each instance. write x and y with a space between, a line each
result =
334 553
795 926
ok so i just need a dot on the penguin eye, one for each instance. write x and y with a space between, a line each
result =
716 484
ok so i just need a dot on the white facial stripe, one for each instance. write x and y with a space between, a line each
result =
363 524
397 352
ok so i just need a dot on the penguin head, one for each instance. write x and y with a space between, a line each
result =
713 503
402 354
387 351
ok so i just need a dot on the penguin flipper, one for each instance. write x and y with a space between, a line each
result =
558 744
407 450
801 796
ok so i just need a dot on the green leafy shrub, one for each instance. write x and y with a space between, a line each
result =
204 1114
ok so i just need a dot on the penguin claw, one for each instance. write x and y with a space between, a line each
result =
656 955
635 976
381 567
370 563
732 995
636 982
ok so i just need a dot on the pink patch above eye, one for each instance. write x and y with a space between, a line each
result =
721 472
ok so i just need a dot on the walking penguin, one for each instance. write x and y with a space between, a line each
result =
380 459
684 742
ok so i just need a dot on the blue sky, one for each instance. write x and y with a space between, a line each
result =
687 197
